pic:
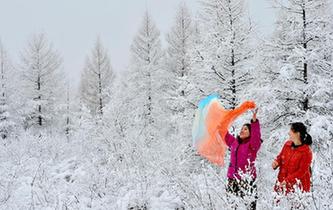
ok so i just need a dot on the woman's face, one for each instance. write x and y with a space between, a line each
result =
294 136
245 132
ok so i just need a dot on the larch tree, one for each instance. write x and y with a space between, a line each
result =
301 53
227 49
180 40
146 55
71 122
42 82
6 121
96 80
178 86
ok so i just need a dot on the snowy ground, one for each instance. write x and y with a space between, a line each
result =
84 172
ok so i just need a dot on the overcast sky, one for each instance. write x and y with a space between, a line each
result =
73 25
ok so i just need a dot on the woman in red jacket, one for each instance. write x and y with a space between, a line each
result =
294 161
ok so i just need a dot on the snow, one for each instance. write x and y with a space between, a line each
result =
136 152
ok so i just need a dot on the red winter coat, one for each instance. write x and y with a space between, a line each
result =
294 164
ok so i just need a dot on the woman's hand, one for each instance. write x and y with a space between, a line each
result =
275 164
254 116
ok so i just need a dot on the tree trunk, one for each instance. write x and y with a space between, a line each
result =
40 119
305 65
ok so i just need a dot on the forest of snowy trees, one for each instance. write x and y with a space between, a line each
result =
123 140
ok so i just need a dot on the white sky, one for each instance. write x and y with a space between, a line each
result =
73 25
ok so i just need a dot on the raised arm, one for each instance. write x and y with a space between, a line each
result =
255 139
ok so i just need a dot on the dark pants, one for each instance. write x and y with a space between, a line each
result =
240 187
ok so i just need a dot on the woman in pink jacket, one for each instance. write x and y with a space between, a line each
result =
244 150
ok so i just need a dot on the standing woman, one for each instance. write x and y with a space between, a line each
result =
244 150
294 161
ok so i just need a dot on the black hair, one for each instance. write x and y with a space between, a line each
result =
248 125
301 128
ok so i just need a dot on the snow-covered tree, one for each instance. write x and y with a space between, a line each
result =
96 80
180 43
6 122
297 64
42 82
71 122
295 83
300 55
146 46
227 49
139 155
180 95
145 67
180 39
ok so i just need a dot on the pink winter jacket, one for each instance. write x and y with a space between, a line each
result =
243 154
